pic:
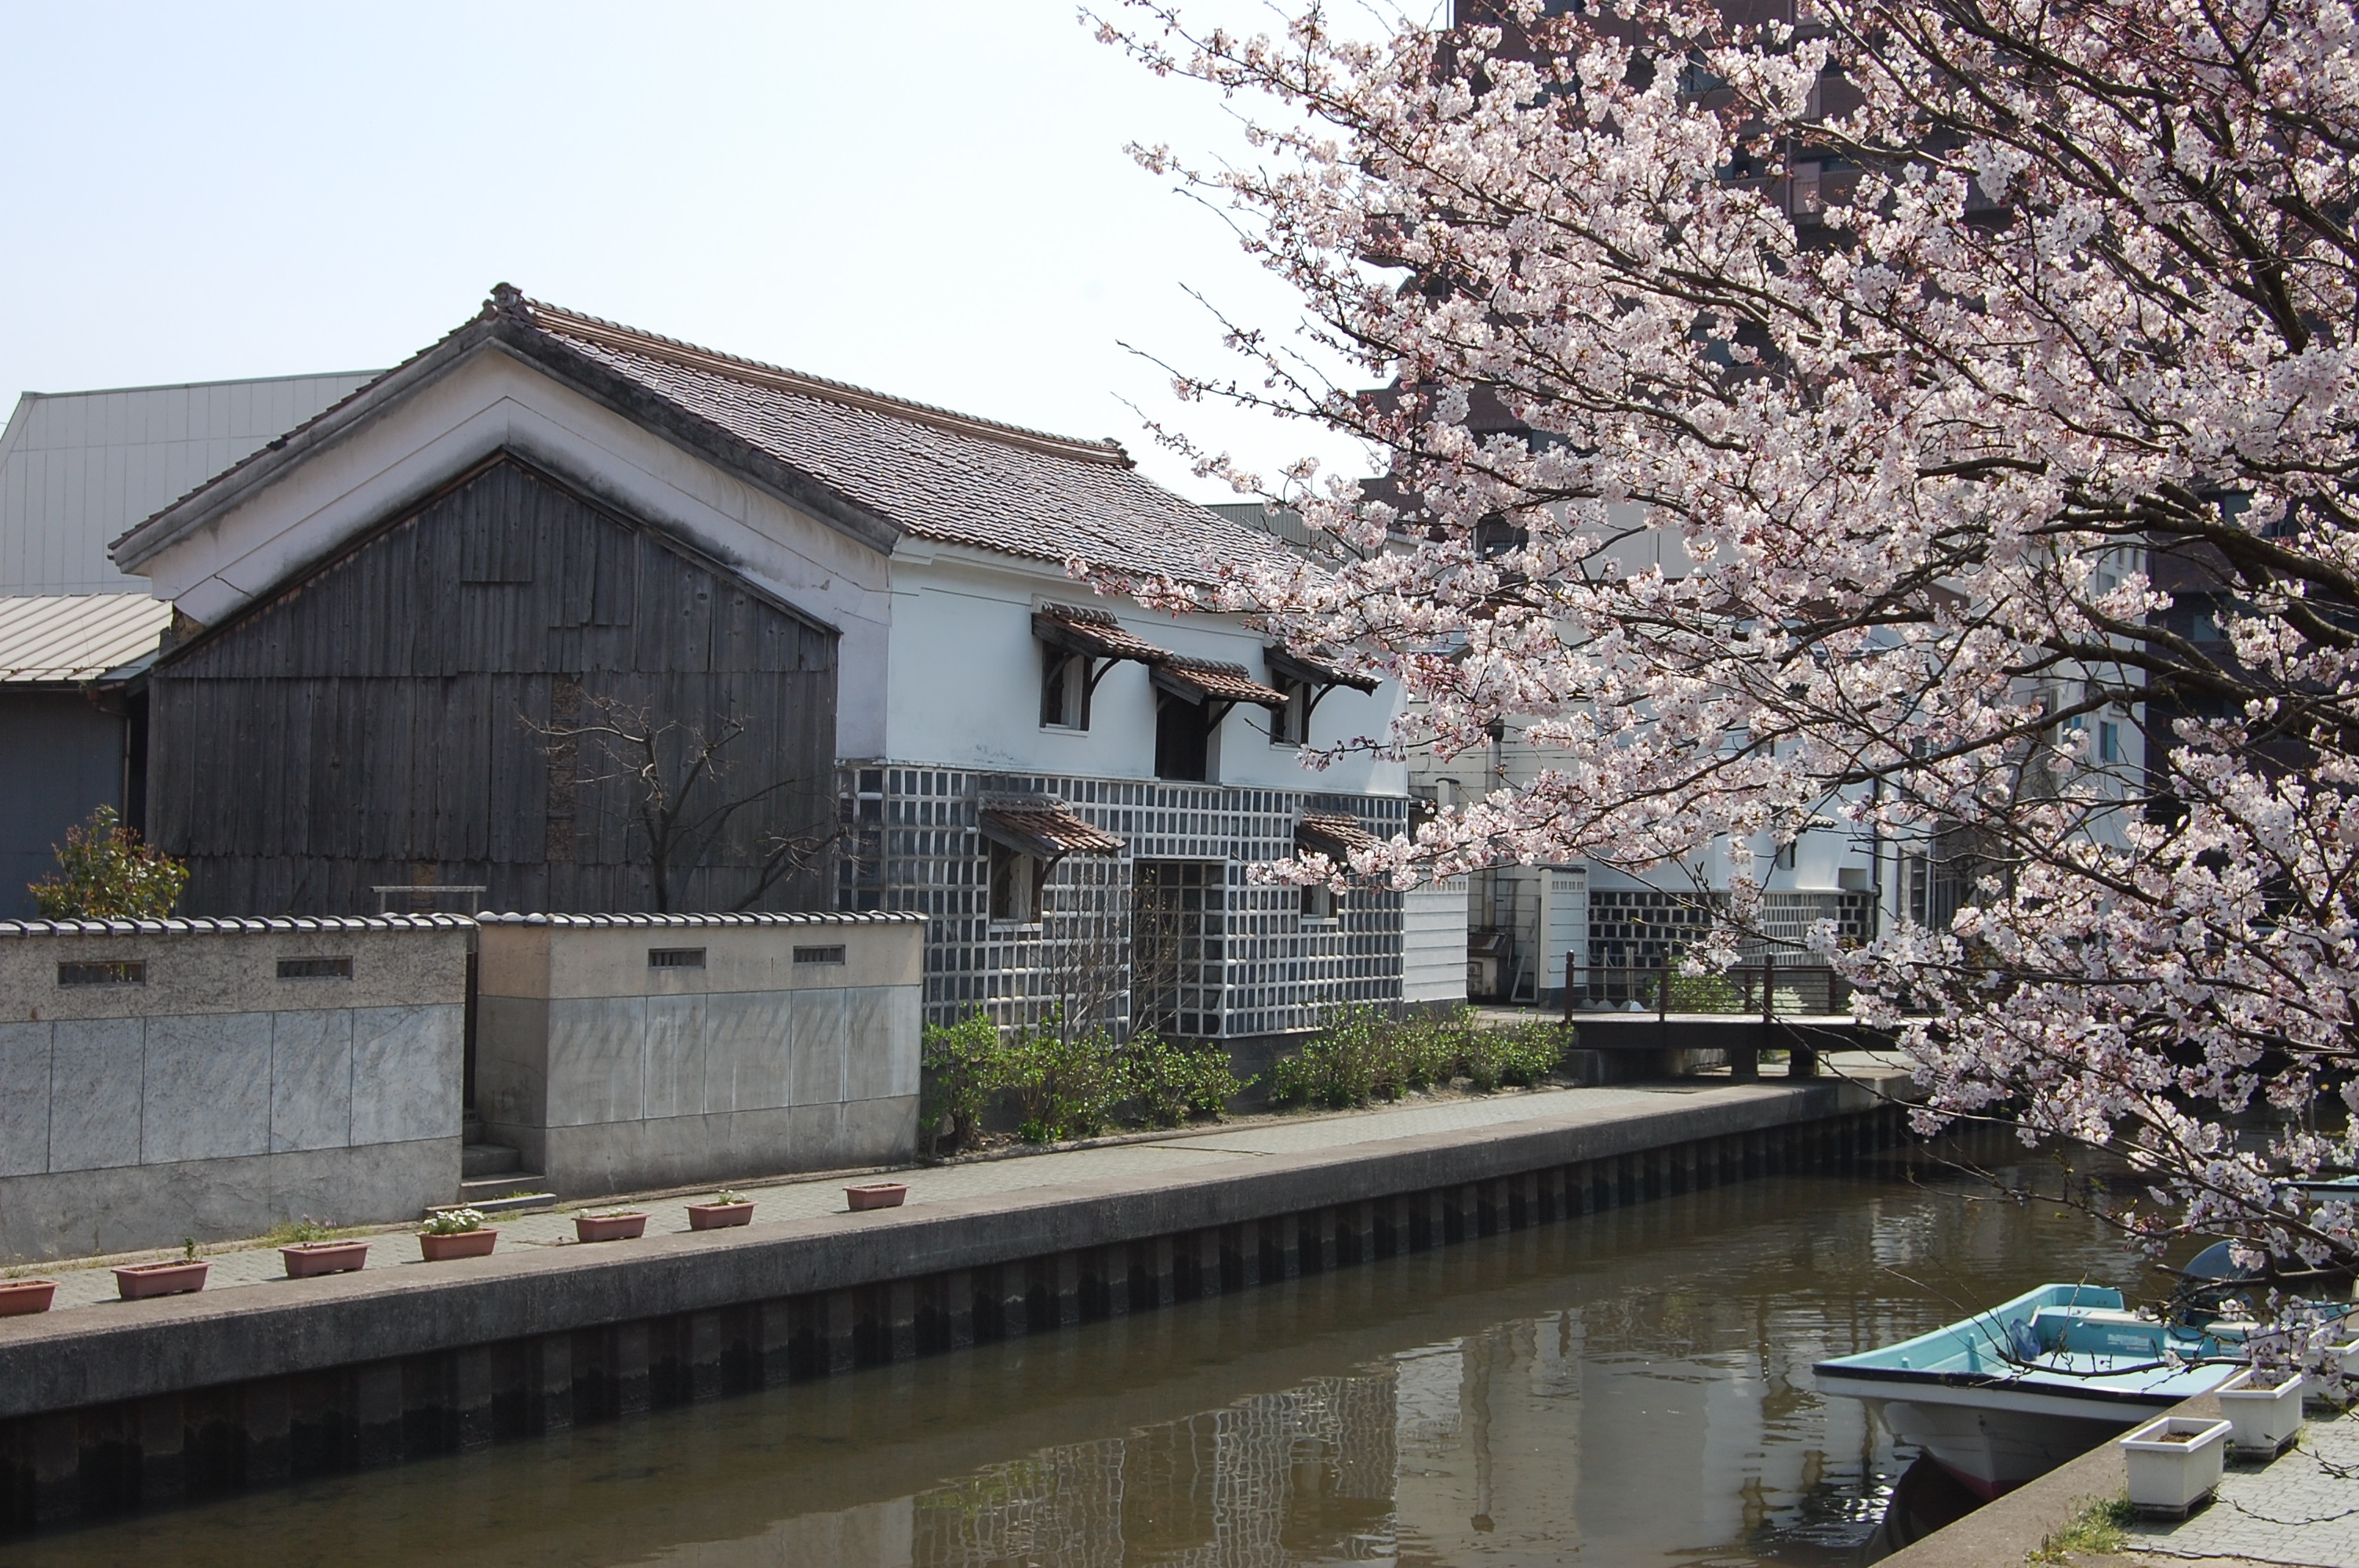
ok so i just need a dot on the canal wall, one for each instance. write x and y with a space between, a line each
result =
146 1404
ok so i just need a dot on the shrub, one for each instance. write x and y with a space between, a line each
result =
1361 1056
1520 1054
1066 1085
1704 994
963 1068
105 873
1173 1083
1346 1064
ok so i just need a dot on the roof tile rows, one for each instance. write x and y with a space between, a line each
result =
1045 830
1208 680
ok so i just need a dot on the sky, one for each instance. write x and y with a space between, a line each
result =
929 199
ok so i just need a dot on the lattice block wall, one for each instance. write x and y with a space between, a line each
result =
1252 965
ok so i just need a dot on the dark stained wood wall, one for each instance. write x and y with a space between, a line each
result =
383 720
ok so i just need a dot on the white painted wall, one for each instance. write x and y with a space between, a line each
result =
965 686
1433 953
491 401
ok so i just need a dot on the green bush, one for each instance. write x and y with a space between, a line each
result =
105 873
1172 1083
1361 1056
964 1069
1704 994
1066 1085
1520 1053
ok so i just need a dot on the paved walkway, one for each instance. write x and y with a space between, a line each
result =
86 1285
2300 1508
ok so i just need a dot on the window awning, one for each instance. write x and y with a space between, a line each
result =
1334 836
1094 633
1285 665
1203 680
1049 829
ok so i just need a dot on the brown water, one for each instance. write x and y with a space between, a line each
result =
1630 1388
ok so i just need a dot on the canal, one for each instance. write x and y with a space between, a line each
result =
1626 1388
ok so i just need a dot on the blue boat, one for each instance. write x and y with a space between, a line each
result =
2008 1394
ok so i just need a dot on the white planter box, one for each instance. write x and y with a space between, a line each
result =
2169 1477
2262 1420
2322 1393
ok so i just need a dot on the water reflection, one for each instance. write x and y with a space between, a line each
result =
1630 1388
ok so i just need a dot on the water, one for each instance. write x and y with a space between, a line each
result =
1630 1388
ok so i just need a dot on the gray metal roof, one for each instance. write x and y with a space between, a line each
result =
67 639
79 467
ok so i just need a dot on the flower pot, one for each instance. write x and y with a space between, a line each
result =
717 1215
306 1258
461 1244
2262 1419
876 1195
609 1226
137 1282
2174 1463
2324 1393
20 1298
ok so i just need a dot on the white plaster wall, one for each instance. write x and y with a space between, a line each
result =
491 401
1433 943
965 685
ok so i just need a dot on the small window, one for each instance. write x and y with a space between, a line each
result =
315 969
106 972
1290 725
2109 742
1015 886
1181 739
1064 690
1787 854
819 955
675 957
1318 903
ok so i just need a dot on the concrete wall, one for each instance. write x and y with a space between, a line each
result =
612 1071
211 1097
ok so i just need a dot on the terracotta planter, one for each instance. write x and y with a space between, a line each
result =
465 1244
876 1195
137 1282
20 1298
609 1226
718 1215
2175 1463
2263 1419
306 1258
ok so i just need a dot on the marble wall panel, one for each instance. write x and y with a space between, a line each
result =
207 1088
675 1056
748 1038
881 1041
597 1060
311 1079
95 1069
24 1098
407 1067
817 1076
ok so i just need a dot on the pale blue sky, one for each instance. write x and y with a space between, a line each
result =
931 198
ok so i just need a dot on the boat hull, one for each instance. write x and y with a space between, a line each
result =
1992 1451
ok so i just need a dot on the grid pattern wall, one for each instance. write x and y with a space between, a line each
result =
1215 957
1638 928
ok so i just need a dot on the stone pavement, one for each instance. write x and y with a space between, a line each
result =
2301 1508
85 1284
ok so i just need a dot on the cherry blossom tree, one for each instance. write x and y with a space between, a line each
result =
1935 415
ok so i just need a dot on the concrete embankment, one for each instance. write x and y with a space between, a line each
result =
113 1408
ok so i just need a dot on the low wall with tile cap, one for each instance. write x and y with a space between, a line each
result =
625 1051
208 1078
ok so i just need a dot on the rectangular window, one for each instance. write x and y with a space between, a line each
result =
1318 903
1180 737
106 972
2109 742
675 957
1785 855
315 969
1064 689
1290 725
819 955
1015 886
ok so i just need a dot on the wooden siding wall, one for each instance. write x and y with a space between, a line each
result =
383 720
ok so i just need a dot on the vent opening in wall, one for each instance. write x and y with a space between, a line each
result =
105 972
675 957
819 955
315 969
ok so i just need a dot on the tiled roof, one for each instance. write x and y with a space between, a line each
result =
1204 680
235 925
61 639
779 917
1049 830
1334 836
1316 670
1092 632
946 477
